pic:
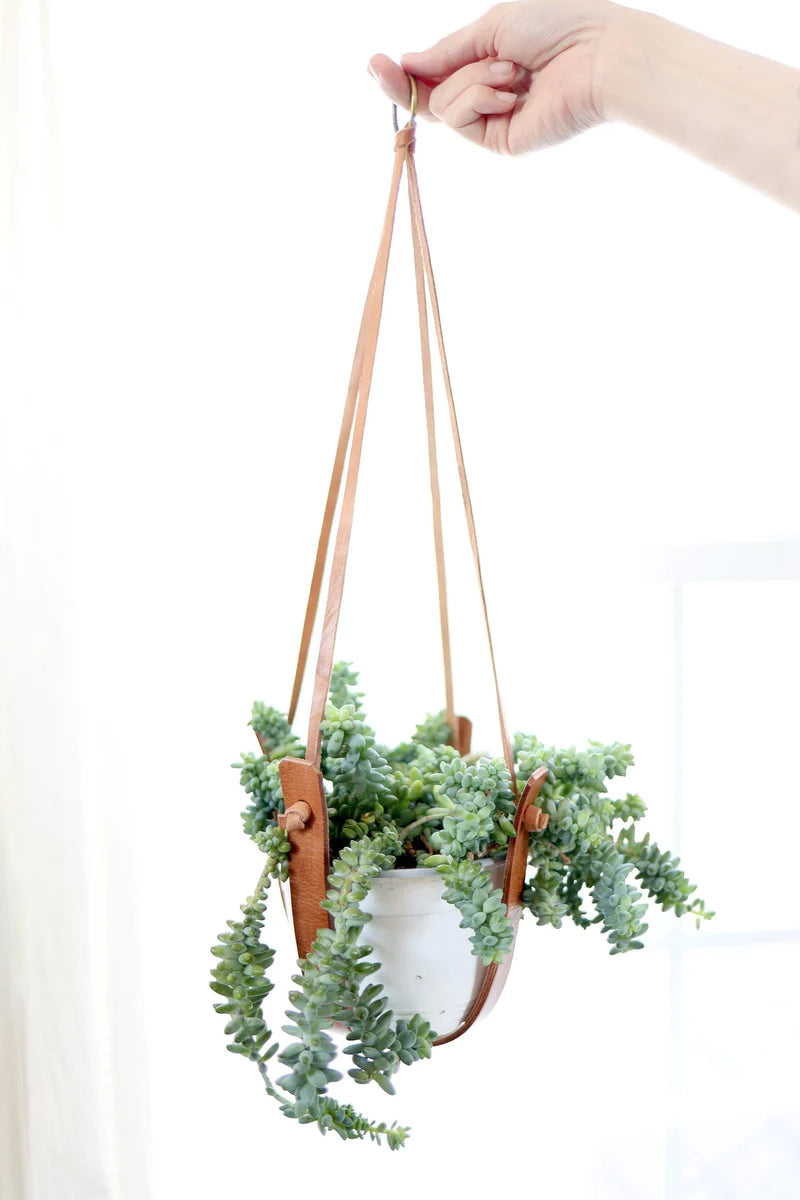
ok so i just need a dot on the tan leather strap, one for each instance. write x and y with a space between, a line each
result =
333 495
330 623
305 820
421 240
433 468
353 422
527 818
330 504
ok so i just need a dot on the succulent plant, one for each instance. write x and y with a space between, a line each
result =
423 804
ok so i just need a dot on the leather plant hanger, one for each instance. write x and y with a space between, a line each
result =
305 818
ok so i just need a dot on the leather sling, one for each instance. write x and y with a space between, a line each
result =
305 816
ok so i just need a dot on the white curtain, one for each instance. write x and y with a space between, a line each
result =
190 199
72 1081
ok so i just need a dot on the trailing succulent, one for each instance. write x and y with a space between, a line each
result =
421 804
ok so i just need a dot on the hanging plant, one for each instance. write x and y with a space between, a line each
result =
444 849
422 805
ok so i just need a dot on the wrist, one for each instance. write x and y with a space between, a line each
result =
621 62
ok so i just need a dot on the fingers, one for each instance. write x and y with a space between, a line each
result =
476 92
490 72
475 41
468 113
460 101
394 83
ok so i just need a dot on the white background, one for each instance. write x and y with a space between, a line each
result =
192 199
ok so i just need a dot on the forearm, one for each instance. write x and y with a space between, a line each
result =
736 110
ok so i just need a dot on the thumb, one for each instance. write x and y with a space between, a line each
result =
470 44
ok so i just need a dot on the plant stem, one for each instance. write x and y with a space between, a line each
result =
433 814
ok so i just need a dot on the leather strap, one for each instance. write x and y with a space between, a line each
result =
331 502
330 623
433 468
305 820
353 422
332 499
333 495
526 819
421 242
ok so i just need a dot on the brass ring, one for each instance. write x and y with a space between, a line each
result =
413 107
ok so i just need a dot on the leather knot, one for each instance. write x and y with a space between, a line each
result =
296 817
404 138
535 820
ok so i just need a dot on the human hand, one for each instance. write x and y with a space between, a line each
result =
521 76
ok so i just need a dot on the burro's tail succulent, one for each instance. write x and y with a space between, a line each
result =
420 804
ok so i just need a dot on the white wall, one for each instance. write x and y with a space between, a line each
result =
622 329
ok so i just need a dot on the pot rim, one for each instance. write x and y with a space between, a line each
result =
428 872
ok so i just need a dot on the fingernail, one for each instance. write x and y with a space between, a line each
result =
506 97
501 68
372 71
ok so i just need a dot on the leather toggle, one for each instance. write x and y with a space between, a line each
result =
296 817
535 819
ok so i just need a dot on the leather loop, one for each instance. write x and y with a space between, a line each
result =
404 138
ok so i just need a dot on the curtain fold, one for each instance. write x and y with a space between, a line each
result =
72 1115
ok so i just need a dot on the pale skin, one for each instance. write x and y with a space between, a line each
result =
530 74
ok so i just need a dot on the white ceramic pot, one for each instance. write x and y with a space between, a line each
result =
427 964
